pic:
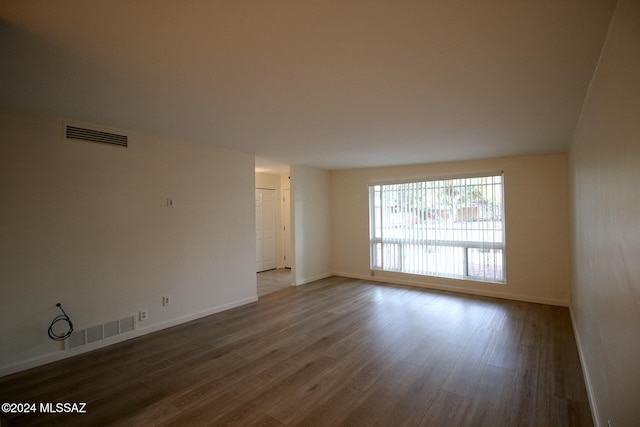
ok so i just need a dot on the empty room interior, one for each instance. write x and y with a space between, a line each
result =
296 213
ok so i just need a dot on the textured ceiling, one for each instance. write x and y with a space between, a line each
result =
331 84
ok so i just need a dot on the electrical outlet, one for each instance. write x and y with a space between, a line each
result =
144 314
166 300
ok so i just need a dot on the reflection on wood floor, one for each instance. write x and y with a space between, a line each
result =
273 280
335 352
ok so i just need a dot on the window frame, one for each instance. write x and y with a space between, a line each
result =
377 243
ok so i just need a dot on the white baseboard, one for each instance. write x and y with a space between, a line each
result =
32 363
463 290
138 332
189 317
313 279
585 372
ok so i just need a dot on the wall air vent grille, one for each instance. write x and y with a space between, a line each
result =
96 333
77 339
94 135
111 328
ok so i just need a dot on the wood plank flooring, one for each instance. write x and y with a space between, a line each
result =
330 353
273 280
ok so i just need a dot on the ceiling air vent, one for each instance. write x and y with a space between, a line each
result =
94 135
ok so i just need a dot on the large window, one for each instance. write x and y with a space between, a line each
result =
446 227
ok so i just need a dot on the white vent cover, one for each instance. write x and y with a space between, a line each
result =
85 133
77 339
94 334
111 328
86 336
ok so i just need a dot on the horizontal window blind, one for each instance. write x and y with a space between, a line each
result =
447 227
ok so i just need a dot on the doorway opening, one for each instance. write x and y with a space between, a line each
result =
274 260
273 280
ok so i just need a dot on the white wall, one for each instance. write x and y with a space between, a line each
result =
536 215
605 176
311 199
87 225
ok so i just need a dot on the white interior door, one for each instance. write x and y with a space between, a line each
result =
265 229
286 223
